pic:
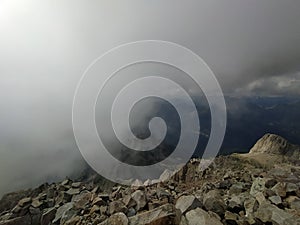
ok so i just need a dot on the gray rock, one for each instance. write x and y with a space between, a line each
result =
62 198
116 219
251 205
258 185
140 198
25 201
117 206
66 182
213 201
280 189
131 212
62 211
260 198
94 209
73 221
6 216
73 191
76 185
129 201
293 202
290 187
48 216
103 209
162 215
275 199
166 175
98 201
161 193
270 213
230 217
24 220
36 203
200 217
81 200
68 215
186 203
237 188
236 201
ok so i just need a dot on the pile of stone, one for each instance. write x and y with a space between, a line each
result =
231 191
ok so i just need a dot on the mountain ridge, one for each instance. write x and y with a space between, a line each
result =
232 190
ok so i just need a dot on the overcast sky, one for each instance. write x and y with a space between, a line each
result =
253 47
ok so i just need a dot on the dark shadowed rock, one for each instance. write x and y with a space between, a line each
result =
48 215
213 201
271 214
117 206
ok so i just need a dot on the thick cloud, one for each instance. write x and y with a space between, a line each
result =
287 85
253 47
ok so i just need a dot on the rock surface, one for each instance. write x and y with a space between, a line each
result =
231 191
274 144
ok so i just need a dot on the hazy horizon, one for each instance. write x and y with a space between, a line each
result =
253 48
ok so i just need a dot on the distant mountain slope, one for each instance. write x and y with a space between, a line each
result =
248 119
272 148
274 144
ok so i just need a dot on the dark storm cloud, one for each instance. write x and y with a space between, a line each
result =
253 47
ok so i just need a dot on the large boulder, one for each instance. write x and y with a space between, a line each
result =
268 213
200 217
81 200
186 203
162 215
48 215
62 212
117 206
213 201
280 189
116 219
258 185
140 198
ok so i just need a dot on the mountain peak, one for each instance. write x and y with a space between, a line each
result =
274 144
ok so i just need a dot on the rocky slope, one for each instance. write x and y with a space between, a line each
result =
271 149
274 144
233 190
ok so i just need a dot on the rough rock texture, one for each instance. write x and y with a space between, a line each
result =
274 144
187 203
199 216
231 191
